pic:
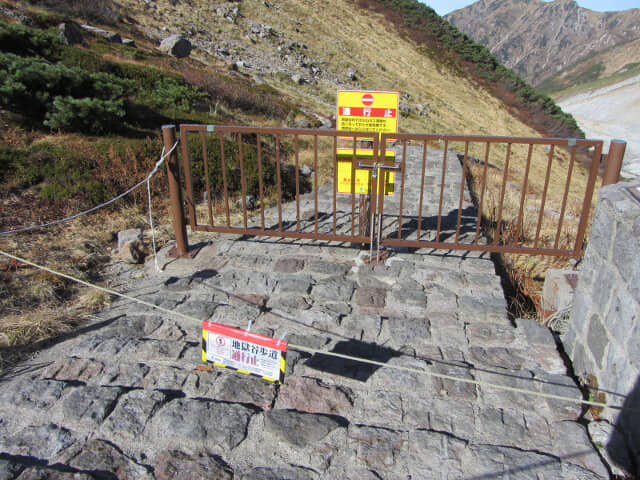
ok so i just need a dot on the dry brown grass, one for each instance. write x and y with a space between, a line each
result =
35 305
533 228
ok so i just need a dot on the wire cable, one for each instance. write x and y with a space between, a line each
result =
330 354
97 207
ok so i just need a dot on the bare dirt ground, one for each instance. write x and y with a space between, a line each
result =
611 113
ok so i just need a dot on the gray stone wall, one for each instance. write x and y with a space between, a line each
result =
603 335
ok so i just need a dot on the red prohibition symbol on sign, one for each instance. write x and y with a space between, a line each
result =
367 99
220 341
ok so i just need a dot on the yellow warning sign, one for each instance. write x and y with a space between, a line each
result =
363 176
362 111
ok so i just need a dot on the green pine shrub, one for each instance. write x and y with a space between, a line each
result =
90 115
61 97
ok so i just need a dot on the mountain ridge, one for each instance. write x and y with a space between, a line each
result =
539 39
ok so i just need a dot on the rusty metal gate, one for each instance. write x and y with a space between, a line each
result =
455 192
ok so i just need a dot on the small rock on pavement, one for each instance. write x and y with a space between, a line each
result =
176 45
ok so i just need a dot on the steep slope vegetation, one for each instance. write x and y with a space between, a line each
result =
307 50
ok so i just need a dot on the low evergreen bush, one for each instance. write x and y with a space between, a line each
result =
61 97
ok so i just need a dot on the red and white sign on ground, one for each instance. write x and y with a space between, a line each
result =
244 351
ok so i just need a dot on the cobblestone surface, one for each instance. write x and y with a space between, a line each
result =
122 398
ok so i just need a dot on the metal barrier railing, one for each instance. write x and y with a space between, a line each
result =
545 194
273 147
498 194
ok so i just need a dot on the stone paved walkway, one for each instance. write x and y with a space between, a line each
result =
121 397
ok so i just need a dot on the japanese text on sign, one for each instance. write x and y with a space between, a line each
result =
243 351
362 182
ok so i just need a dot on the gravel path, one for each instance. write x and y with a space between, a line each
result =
122 398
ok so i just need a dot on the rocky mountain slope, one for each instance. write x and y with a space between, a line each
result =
309 50
539 39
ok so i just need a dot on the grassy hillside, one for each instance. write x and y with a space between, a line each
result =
81 124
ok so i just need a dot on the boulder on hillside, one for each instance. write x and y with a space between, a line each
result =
176 45
70 33
109 36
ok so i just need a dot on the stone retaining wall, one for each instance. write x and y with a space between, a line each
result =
603 336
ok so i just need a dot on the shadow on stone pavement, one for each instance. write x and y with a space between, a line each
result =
352 368
448 224
624 444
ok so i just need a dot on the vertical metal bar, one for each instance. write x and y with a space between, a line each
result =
353 189
315 179
188 181
224 181
462 185
260 183
524 190
279 181
175 193
484 188
404 161
424 166
614 162
297 155
372 200
205 159
566 195
243 187
335 182
586 205
444 170
544 195
377 209
502 191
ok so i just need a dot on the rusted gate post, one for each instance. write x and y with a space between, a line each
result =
175 192
613 164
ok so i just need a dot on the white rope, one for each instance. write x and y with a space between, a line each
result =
153 233
453 378
330 354
86 212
